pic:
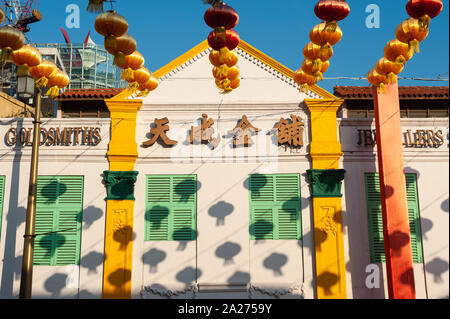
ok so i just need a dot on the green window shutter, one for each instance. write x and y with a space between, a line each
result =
171 208
275 207
58 220
375 218
2 194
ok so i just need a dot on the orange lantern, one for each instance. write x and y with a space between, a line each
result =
125 45
59 81
398 52
307 67
151 85
313 52
389 69
326 38
409 31
26 57
220 72
111 25
141 76
216 59
304 79
378 80
11 39
43 72
133 62
95 6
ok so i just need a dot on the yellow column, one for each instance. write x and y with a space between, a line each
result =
325 178
119 181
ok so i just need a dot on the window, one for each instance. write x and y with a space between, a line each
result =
171 208
2 191
375 219
275 207
58 220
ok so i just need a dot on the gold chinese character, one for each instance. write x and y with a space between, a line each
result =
204 133
160 132
290 133
242 133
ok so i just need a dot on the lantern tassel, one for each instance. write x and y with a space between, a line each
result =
119 59
325 51
400 60
143 93
318 76
304 88
95 6
6 54
133 86
41 82
111 42
414 45
330 26
381 88
424 22
317 65
53 92
225 55
222 71
391 78
128 75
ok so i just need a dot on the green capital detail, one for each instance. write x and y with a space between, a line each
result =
120 185
326 183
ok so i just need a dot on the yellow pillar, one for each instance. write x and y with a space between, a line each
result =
119 181
326 178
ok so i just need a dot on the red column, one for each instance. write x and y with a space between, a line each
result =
396 230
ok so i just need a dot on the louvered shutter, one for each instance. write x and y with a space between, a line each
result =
2 194
58 220
171 208
375 218
275 207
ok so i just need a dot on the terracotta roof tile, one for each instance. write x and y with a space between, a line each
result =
405 92
89 94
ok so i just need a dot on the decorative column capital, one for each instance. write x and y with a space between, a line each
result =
326 183
120 185
331 105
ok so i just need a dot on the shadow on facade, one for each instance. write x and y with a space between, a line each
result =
189 275
90 215
437 267
275 262
220 211
227 252
152 258
92 261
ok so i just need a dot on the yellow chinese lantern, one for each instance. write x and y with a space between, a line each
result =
133 62
378 80
11 39
112 26
59 81
326 38
151 84
307 67
410 32
125 45
43 72
398 52
313 52
217 60
141 76
304 80
26 57
389 69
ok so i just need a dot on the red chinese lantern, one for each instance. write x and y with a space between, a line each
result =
59 81
218 42
43 72
398 52
221 16
424 10
378 80
332 11
409 31
389 69
11 39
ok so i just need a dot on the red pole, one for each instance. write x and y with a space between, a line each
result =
396 230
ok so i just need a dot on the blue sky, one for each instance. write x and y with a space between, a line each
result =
280 28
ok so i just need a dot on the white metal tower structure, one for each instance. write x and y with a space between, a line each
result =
21 13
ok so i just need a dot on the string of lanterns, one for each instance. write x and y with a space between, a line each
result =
123 47
29 61
408 36
323 37
223 40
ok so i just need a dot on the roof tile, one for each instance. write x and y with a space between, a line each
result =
405 92
89 94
